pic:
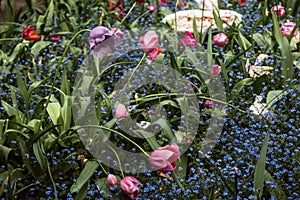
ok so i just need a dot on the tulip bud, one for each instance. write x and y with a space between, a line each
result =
112 180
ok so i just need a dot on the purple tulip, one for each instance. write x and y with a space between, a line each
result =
163 158
103 41
130 186
209 104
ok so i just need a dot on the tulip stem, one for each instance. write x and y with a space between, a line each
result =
132 7
103 127
118 160
174 175
134 70
9 39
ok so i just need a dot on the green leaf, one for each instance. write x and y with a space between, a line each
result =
103 186
85 175
277 33
274 96
239 86
38 46
259 173
39 152
25 153
16 52
218 21
4 153
287 59
243 42
11 111
82 192
54 111
277 192
66 112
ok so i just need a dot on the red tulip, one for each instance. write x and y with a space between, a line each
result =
163 158
149 41
112 180
241 2
279 10
220 40
130 186
163 2
154 53
30 34
216 69
190 40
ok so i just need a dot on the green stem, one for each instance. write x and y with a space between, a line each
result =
9 39
51 178
13 23
103 169
134 70
175 94
132 7
108 129
118 160
174 175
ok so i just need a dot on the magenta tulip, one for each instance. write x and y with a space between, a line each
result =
163 158
151 8
130 186
287 28
209 104
279 10
220 40
149 41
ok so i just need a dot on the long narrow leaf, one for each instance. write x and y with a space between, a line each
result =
259 174
84 176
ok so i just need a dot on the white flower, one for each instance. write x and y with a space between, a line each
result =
259 108
143 124
255 70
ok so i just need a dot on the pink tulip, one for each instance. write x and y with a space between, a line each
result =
220 40
121 111
241 2
209 104
130 186
151 8
287 28
190 40
163 158
149 41
112 180
216 69
154 53
279 10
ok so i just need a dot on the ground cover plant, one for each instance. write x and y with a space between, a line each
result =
105 100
